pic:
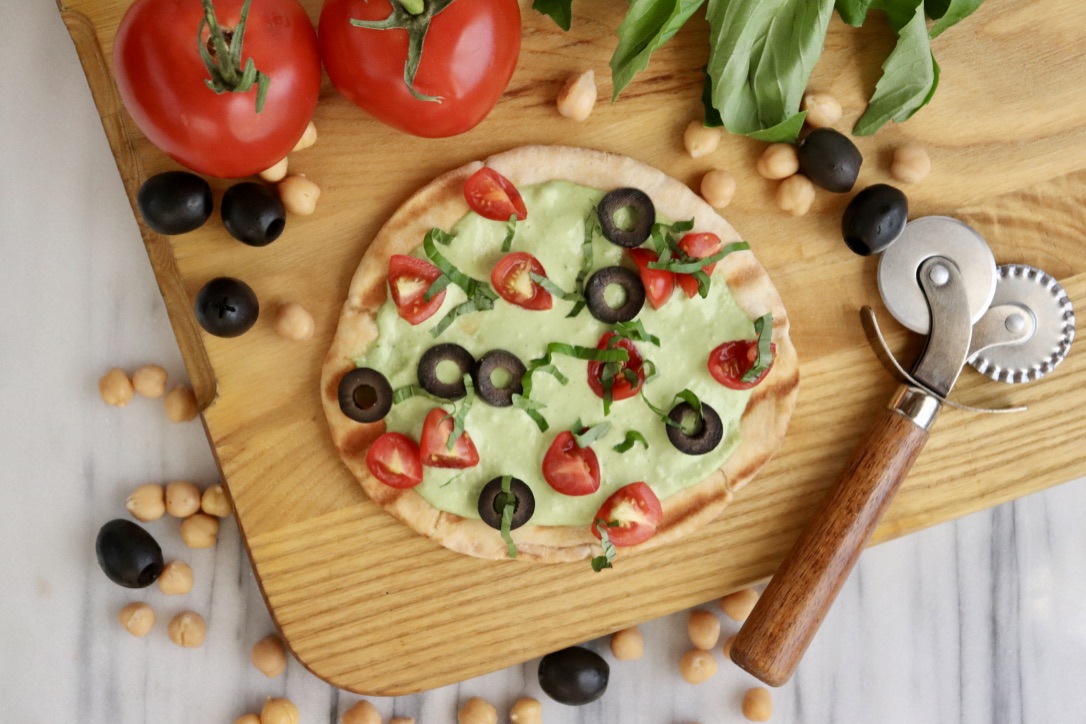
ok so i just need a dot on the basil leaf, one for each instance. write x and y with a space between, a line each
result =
632 437
439 285
554 289
591 226
635 331
510 232
648 25
763 327
560 11
408 391
691 399
712 115
936 9
590 354
531 408
604 561
507 517
957 11
457 311
460 416
854 12
687 265
591 435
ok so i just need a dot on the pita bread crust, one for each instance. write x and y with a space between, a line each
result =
441 204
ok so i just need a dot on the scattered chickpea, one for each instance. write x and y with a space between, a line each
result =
737 606
147 502
911 164
149 381
269 656
276 173
279 711
823 110
294 322
697 666
137 618
778 160
362 713
115 388
796 194
216 502
309 137
758 704
700 140
718 188
477 711
188 629
248 719
727 648
180 404
402 720
704 629
628 644
175 579
526 710
578 96
299 195
182 498
200 530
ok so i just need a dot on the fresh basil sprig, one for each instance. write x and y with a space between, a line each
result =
510 504
632 437
604 561
763 327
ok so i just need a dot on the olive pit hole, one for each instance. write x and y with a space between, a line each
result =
365 397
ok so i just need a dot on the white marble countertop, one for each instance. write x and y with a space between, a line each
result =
981 620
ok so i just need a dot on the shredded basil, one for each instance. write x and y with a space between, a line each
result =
439 285
510 232
636 332
507 517
591 226
591 434
408 391
632 437
688 265
461 413
590 354
609 552
523 401
685 396
556 290
763 327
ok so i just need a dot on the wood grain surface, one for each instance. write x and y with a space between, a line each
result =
371 607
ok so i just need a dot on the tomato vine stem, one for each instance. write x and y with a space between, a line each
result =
224 65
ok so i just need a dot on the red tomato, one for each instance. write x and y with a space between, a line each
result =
513 282
394 459
659 283
569 468
697 246
637 511
468 56
160 76
621 388
731 360
493 196
436 429
408 279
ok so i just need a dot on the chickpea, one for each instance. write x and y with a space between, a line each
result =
823 110
150 381
758 704
727 648
188 629
718 188
279 711
216 502
526 710
911 164
182 498
578 96
293 322
115 388
269 656
309 137
362 713
299 195
137 618
778 160
700 140
697 666
248 719
276 173
737 606
628 644
477 711
796 194
180 404
175 579
147 502
704 629
200 530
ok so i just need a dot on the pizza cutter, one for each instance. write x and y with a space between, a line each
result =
1013 323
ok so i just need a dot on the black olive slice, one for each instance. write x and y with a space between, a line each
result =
830 160
175 202
874 219
128 554
641 209
427 370
492 503
494 361
253 213
705 438
365 395
631 284
574 676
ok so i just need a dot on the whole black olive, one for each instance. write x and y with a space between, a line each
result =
175 202
253 213
428 372
492 503
874 218
631 285
128 554
227 307
574 676
830 160
488 364
641 210
706 435
365 395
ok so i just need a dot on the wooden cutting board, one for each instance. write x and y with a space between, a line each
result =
371 607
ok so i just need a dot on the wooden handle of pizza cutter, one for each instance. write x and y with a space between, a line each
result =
786 618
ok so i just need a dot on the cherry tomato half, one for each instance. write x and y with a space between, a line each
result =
493 196
621 388
637 511
659 283
731 360
569 468
434 447
513 282
408 279
697 246
394 459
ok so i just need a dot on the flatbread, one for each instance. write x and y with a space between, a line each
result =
441 204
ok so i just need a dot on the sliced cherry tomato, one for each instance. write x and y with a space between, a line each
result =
434 448
394 459
569 468
697 246
493 196
659 283
731 360
513 282
621 388
408 279
637 511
